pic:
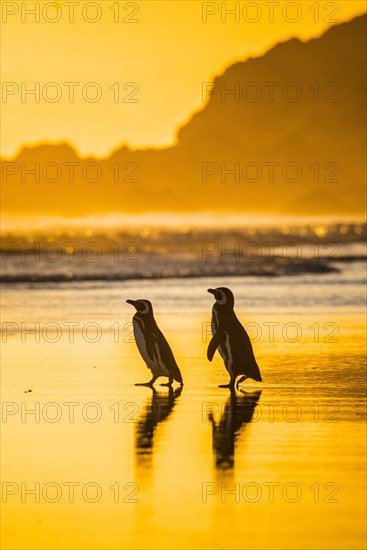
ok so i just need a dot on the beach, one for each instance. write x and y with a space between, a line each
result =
278 465
162 161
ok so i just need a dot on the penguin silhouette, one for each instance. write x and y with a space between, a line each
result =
238 411
231 340
152 345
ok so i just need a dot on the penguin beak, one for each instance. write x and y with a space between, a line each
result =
132 302
211 291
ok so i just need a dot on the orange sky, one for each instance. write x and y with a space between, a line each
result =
168 53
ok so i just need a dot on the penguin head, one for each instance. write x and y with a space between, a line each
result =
223 296
142 306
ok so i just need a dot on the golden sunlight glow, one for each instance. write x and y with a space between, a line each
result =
146 60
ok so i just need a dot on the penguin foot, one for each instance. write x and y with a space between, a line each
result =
169 383
242 379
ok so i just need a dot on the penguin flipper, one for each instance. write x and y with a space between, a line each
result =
147 336
150 343
215 342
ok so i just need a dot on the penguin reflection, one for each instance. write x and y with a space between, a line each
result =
157 409
238 410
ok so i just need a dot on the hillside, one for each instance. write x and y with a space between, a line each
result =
292 154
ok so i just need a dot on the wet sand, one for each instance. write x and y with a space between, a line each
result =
278 465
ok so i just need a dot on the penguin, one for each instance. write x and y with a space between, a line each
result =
231 340
152 345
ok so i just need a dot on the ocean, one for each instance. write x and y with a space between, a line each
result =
94 461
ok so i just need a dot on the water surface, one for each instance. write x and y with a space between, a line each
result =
278 465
